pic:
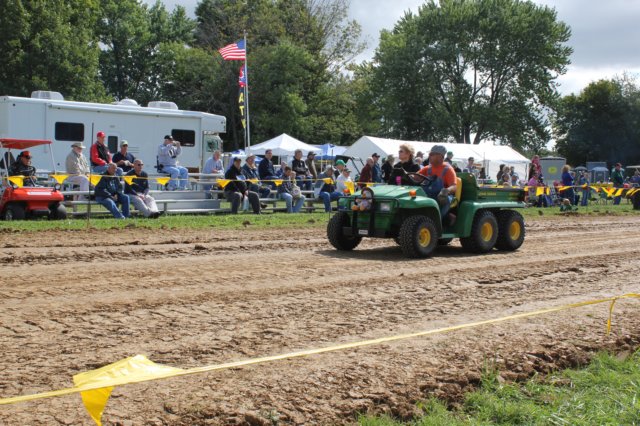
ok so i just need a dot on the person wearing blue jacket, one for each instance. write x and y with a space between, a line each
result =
109 192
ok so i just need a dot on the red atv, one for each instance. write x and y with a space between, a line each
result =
20 202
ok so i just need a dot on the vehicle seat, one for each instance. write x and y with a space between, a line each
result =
456 198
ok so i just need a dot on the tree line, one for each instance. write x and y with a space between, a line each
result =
457 70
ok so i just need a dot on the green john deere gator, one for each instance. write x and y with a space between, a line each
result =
485 218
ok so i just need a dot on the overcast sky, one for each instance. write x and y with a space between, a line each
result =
604 38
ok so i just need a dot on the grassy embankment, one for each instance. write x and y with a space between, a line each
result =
607 392
269 220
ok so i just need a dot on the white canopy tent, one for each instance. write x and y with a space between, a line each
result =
487 154
283 146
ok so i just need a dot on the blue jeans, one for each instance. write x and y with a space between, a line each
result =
305 183
586 193
111 205
327 198
616 200
177 172
99 170
288 199
444 209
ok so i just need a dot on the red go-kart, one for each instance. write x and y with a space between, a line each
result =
22 202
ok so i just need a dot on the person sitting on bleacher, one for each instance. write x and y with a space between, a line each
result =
325 188
441 180
109 193
290 192
78 167
236 190
138 191
250 172
168 154
266 171
23 167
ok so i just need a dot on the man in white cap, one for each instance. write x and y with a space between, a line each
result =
78 168
441 184
168 154
123 158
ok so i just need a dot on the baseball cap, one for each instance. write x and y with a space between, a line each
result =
340 163
124 142
26 154
375 154
438 149
77 145
236 159
100 135
168 137
618 165
450 153
311 153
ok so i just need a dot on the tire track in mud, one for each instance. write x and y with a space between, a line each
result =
186 307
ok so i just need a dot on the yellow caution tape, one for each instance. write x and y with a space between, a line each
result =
95 386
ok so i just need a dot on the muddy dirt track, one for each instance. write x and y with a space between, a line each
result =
72 301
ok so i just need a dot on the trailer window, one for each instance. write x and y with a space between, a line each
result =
185 137
73 132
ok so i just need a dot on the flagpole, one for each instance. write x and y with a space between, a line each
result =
246 93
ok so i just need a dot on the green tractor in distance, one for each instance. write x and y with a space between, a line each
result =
485 218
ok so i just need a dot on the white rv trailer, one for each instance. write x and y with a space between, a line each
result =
46 115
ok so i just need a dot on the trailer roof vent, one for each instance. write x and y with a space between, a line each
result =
162 105
45 94
127 102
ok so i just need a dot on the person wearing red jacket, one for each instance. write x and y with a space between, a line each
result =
366 174
100 156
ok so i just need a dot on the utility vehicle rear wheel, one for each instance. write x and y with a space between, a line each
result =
510 230
14 212
418 236
336 235
484 233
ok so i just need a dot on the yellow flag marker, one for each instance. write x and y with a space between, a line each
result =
95 179
278 182
609 191
539 191
59 178
128 179
350 186
17 180
223 182
619 192
163 180
328 181
135 367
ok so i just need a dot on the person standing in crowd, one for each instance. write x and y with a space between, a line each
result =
535 168
168 153
138 191
470 167
325 188
123 158
387 168
501 172
449 158
266 170
237 190
617 177
250 172
567 180
109 193
404 166
302 172
341 181
22 167
100 156
78 169
583 181
366 174
376 172
293 200
310 162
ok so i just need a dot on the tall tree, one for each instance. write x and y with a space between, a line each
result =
50 45
472 67
602 123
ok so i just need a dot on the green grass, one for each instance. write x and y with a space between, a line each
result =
624 209
226 221
605 392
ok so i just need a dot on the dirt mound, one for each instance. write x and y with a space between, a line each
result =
71 301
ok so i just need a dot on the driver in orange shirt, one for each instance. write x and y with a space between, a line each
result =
440 182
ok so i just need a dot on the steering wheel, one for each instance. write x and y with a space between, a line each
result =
415 178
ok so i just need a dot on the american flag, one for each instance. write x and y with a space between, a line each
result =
234 51
242 78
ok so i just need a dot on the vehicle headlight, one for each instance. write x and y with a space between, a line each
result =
385 207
